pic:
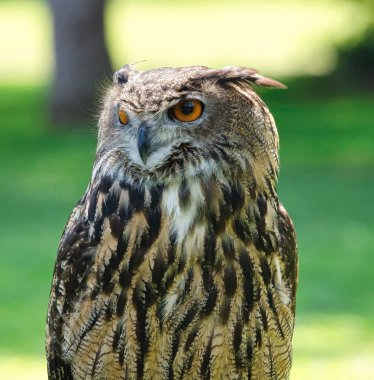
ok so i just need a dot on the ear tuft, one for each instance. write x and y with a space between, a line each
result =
237 73
122 75
259 80
234 74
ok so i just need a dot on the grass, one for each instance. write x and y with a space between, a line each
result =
326 184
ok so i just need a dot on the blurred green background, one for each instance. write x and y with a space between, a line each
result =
323 50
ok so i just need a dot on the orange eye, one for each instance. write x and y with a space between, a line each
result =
187 110
122 116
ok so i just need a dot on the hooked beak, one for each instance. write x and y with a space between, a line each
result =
143 140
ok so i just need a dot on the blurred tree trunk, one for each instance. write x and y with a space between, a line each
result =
81 57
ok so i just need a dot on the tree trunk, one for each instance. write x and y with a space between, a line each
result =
81 58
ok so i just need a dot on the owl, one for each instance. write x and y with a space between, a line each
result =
179 262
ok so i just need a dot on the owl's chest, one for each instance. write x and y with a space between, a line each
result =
176 292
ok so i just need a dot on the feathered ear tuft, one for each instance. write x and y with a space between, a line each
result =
237 73
234 74
122 75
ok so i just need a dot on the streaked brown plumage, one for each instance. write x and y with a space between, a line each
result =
179 262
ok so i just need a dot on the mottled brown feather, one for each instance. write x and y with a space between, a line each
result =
186 269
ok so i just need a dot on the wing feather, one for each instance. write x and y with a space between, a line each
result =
73 262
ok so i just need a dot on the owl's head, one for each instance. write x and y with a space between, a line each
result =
186 121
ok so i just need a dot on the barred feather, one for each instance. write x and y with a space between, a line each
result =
162 274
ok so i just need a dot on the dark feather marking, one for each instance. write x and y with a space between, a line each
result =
258 337
184 194
182 260
121 302
247 269
74 241
262 206
237 197
225 310
211 301
261 240
174 349
225 156
241 230
125 278
265 269
109 313
238 329
117 334
58 369
136 197
121 358
264 319
205 367
153 217
158 270
122 245
214 155
228 247
208 282
250 359
141 333
226 193
252 188
263 243
260 223
98 354
229 280
124 184
98 224
156 195
237 340
187 284
89 326
138 254
125 212
172 247
209 248
116 226
93 203
275 313
106 277
190 338
218 222
105 184
270 187
192 312
110 204
150 294
189 316
288 248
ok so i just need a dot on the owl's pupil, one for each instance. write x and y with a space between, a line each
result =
187 108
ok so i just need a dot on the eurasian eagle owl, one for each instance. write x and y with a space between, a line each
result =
179 262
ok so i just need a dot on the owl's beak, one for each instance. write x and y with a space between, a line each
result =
143 142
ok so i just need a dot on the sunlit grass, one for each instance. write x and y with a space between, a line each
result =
277 37
23 368
333 347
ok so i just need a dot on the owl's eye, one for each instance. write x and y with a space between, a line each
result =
122 116
187 110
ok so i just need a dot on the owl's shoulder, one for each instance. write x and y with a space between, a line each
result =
288 247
